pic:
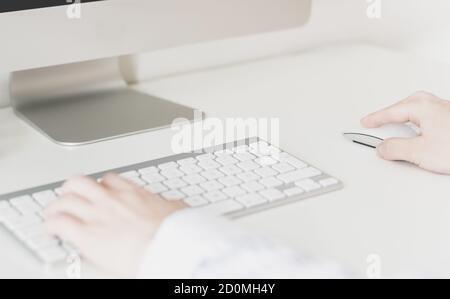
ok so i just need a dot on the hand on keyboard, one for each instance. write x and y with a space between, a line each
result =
111 222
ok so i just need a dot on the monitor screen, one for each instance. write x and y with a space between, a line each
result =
15 5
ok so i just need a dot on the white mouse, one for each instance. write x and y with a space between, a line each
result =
374 137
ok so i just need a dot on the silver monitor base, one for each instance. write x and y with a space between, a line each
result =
102 116
88 102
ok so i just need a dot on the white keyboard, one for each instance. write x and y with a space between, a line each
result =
233 180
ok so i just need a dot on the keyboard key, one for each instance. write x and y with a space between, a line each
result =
52 255
175 183
272 194
129 174
9 213
211 185
272 150
206 157
215 196
4 205
283 167
234 191
190 169
293 191
301 174
251 200
266 161
256 152
21 200
329 182
148 170
192 190
222 207
153 178
244 157
226 160
173 195
29 208
241 149
208 164
194 179
41 242
308 185
26 233
248 176
172 173
263 150
187 161
45 202
231 170
248 165
156 188
266 172
169 165
225 151
271 182
258 144
285 157
44 195
22 221
253 187
196 201
137 181
230 181
212 174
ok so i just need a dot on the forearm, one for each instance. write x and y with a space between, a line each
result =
192 245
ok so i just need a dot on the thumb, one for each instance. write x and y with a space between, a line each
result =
401 149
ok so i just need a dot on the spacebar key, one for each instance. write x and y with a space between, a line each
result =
221 207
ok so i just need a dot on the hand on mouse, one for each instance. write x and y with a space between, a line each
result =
111 223
430 150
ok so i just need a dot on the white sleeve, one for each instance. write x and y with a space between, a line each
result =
193 245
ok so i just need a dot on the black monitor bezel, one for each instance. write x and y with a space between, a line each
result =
18 5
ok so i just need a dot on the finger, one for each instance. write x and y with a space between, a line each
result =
72 205
402 112
67 228
408 110
401 149
127 191
86 188
117 183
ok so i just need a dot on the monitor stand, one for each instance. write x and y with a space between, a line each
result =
88 102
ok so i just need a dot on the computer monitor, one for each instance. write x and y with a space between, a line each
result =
67 57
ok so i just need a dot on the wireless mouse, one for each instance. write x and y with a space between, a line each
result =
374 137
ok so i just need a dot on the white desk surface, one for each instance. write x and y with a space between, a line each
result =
391 209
